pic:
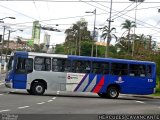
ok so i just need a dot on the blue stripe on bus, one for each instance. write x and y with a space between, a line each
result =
81 82
91 78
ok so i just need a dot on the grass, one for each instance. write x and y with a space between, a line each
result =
157 92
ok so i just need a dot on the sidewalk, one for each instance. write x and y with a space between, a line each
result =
3 72
146 96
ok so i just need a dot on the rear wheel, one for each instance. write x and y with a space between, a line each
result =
113 92
38 88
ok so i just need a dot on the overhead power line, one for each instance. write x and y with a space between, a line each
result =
36 9
133 18
127 11
102 1
59 19
123 10
76 16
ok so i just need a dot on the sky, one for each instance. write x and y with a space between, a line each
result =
66 12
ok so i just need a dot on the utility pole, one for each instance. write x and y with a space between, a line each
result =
94 12
79 48
93 31
4 28
109 27
136 1
9 32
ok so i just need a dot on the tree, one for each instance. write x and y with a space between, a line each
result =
128 25
106 33
75 34
59 49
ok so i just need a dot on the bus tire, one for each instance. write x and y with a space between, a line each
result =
102 95
112 92
30 92
38 88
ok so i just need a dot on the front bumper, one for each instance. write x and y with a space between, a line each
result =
8 84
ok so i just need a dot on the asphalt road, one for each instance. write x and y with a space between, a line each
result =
66 103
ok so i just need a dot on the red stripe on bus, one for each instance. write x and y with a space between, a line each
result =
99 85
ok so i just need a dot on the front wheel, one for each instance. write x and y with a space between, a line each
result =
113 92
30 92
38 88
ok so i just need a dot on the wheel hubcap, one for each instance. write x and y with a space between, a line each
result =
113 93
39 89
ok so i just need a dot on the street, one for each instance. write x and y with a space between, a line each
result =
14 101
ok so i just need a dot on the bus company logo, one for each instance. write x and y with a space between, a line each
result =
72 77
119 80
69 77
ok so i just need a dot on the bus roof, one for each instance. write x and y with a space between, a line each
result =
83 57
109 59
40 54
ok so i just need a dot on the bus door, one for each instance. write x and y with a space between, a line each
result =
24 65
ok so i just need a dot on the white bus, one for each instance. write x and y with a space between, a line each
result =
37 72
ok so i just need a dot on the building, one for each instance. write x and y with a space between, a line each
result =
36 31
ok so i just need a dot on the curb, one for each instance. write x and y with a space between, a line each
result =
147 96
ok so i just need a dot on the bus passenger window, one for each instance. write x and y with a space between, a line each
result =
137 70
100 67
149 69
24 65
81 66
60 65
119 69
42 64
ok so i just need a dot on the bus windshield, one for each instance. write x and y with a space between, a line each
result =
10 63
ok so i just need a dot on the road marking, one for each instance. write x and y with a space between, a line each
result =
54 98
23 107
49 100
1 94
139 102
41 103
4 110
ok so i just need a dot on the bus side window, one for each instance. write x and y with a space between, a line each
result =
100 68
60 65
148 72
42 63
81 66
24 65
137 70
119 69
48 64
142 70
29 65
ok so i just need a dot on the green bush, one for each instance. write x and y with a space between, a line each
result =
157 90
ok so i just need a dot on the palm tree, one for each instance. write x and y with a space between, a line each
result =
106 33
128 25
75 34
